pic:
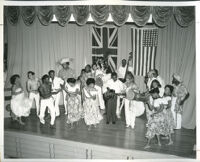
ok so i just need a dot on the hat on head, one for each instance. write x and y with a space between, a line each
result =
64 60
150 72
177 77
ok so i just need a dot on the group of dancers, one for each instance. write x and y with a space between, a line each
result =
97 91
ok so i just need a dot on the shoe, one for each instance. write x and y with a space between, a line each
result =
107 122
113 122
132 127
52 126
42 121
127 126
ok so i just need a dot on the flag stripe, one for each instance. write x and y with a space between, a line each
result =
96 38
137 52
155 57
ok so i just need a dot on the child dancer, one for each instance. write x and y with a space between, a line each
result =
92 115
20 104
73 101
167 98
157 123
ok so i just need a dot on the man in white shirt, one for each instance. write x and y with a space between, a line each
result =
32 88
158 77
119 87
56 83
122 70
152 75
65 73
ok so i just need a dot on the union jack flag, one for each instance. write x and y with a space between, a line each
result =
105 44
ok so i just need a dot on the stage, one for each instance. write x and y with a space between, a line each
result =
103 142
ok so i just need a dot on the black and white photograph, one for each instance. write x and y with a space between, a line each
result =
99 81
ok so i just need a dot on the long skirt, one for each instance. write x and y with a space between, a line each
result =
170 121
92 113
157 125
74 109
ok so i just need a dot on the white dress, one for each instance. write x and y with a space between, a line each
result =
92 113
20 104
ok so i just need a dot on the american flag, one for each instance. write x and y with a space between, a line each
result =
144 48
105 44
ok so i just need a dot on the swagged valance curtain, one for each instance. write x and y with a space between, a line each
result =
184 16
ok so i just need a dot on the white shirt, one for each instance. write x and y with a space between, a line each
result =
121 72
118 86
56 83
161 81
98 72
72 89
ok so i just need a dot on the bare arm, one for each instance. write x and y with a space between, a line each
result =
28 86
184 99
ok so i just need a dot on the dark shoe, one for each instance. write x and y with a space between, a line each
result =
113 122
107 122
52 127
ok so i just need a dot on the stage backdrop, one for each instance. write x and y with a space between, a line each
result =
39 47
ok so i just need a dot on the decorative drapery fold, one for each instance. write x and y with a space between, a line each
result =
28 14
81 14
12 13
99 14
140 14
63 14
184 15
119 14
45 14
162 15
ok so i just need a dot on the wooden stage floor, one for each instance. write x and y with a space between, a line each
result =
109 135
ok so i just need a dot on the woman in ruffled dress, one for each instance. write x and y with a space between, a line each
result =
20 103
167 101
157 123
75 111
92 115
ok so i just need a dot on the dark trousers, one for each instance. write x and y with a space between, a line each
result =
111 105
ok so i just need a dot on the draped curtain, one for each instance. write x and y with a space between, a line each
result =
140 14
100 14
176 54
120 14
162 15
28 14
63 14
39 47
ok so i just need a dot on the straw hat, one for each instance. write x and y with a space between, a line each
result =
177 77
64 60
